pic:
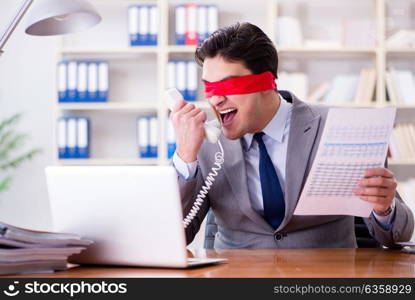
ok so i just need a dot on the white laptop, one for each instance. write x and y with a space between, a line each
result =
132 213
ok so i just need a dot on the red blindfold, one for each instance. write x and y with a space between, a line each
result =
241 85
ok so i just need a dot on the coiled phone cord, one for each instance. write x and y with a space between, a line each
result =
205 189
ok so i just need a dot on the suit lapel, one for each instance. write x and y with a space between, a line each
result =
303 131
235 172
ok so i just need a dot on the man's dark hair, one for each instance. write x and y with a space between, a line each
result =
241 42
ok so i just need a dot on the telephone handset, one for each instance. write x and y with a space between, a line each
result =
212 133
212 128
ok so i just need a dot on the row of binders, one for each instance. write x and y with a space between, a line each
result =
143 24
182 75
83 81
73 137
194 23
24 251
147 137
402 141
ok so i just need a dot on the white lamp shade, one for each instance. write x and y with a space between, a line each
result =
52 17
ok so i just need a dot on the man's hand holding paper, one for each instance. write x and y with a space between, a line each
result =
378 187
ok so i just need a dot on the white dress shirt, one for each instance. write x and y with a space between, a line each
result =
276 137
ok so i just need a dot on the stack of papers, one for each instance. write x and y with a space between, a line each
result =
342 89
295 82
400 85
27 251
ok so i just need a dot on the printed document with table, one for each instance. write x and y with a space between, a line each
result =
353 140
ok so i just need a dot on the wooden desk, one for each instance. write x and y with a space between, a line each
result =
273 263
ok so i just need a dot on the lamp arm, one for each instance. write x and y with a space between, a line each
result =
13 24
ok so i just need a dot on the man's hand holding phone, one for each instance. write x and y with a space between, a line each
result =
188 123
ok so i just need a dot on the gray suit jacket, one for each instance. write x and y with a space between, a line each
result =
239 226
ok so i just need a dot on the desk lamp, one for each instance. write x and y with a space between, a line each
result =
53 17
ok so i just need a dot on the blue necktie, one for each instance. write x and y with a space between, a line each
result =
272 196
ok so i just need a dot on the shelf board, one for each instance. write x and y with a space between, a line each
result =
192 49
303 50
405 106
110 106
401 162
181 49
356 105
108 162
398 106
349 105
127 50
401 51
110 51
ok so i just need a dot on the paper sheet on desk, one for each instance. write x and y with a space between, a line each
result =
353 140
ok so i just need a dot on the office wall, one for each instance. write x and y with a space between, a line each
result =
27 70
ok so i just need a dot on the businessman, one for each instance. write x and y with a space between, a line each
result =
270 139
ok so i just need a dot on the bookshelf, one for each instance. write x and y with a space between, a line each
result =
404 51
409 162
315 50
138 74
121 106
110 162
181 49
109 51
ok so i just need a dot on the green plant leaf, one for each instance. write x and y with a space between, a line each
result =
19 160
11 145
10 121
6 136
5 183
10 141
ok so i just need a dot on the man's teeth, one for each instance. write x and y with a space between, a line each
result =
227 111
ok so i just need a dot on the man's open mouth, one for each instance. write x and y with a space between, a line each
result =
227 115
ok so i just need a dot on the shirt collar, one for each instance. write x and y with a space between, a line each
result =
275 128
